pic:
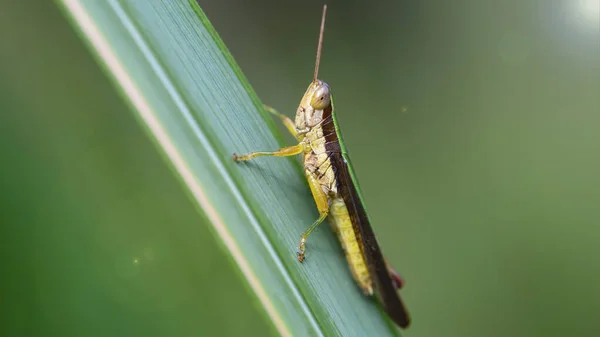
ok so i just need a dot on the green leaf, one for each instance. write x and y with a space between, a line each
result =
186 89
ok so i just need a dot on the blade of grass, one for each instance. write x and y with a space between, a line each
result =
182 82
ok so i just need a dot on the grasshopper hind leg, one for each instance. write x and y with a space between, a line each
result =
302 247
322 205
396 278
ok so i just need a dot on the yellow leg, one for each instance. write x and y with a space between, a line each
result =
323 207
285 152
289 124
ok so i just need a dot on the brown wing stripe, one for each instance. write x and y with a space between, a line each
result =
382 281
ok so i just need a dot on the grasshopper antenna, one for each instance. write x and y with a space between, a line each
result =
320 45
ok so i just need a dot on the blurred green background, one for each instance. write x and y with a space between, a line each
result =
473 127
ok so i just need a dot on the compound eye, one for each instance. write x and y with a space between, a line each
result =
321 98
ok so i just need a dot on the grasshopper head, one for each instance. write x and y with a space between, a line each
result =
315 101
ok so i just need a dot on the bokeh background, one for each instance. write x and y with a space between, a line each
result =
474 128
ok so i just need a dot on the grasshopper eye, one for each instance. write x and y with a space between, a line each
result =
321 98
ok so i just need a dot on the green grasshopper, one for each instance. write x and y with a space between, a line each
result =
335 190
